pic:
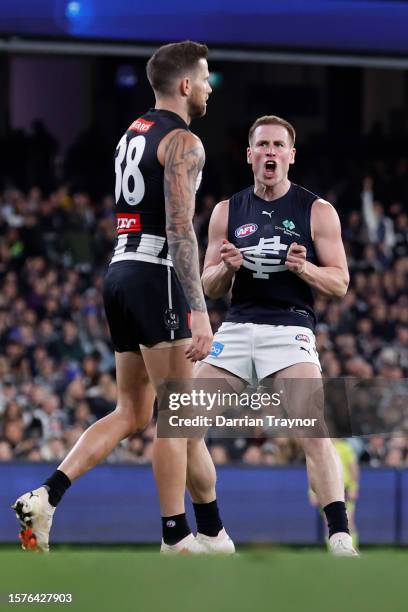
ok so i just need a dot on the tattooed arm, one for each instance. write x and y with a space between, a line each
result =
183 161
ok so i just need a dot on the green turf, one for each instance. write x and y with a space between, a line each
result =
256 580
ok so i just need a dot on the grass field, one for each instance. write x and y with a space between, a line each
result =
257 579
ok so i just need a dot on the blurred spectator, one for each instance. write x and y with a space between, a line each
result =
219 454
252 455
6 450
380 228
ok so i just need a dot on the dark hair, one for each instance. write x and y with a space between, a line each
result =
273 120
171 62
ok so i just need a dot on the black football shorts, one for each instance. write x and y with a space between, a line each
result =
144 304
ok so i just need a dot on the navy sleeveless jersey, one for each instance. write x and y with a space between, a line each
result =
264 291
139 193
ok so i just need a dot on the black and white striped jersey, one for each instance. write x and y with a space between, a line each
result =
139 193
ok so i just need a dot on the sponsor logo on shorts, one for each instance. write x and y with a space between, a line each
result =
171 319
246 230
302 338
171 523
128 223
302 348
216 349
141 125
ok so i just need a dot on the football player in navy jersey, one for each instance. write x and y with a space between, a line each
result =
155 308
271 245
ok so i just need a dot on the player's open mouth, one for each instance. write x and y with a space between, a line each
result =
270 168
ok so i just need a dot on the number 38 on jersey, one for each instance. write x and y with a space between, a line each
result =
129 182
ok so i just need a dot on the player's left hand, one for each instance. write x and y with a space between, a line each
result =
296 258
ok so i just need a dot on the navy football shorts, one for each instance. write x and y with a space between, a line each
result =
144 304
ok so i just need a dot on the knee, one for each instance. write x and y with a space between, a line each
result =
136 418
139 424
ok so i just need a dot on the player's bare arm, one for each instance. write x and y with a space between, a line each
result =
222 259
331 277
183 161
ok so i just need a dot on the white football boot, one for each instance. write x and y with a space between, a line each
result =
341 545
220 544
34 512
187 546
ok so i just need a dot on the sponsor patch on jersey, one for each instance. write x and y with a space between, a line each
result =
288 224
302 338
216 349
246 230
128 223
284 228
141 125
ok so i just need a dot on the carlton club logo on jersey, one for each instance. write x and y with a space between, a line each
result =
246 230
259 257
141 125
128 223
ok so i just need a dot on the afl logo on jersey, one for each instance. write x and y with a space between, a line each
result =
246 230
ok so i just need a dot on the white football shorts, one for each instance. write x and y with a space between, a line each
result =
253 351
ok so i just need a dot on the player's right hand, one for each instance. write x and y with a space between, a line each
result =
231 256
202 336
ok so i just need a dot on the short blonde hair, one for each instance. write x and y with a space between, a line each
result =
273 120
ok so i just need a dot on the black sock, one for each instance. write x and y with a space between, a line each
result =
175 528
336 517
57 484
208 518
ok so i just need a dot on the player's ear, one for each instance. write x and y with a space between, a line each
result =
185 87
292 157
249 155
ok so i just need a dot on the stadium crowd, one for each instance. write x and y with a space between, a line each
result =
56 360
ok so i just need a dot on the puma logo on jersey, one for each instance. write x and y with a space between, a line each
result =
127 223
265 212
141 125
